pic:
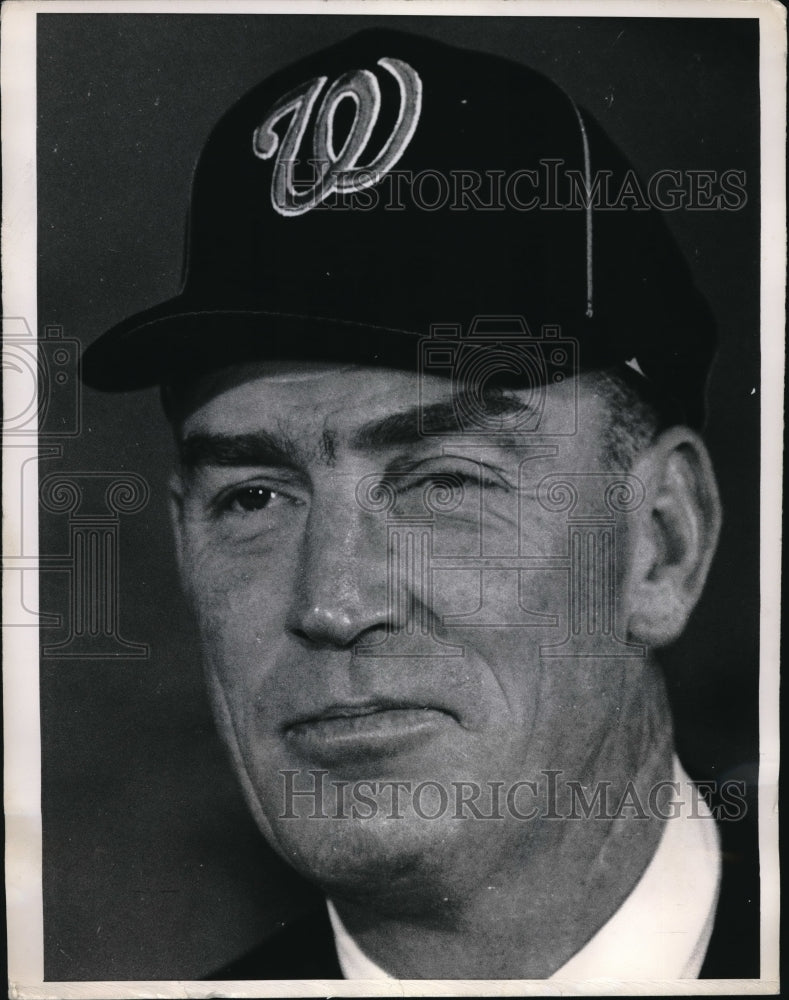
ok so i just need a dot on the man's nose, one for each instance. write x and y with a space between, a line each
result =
340 592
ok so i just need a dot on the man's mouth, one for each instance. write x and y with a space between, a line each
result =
380 729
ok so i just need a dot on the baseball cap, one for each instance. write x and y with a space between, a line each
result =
389 183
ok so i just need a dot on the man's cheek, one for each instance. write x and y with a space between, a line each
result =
225 584
532 599
235 620
246 705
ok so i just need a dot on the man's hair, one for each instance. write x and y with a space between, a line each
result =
634 420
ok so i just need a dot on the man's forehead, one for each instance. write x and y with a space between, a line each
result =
348 398
258 390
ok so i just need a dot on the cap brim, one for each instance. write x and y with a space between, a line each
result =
170 343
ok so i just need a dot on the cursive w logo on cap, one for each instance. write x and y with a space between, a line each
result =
339 170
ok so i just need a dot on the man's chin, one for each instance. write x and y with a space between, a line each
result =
385 861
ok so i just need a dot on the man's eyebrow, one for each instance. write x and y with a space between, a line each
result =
258 448
406 427
447 417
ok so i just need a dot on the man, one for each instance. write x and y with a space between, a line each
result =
440 494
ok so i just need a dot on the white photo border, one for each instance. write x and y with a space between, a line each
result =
21 691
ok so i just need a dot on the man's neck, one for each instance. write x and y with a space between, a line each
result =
527 919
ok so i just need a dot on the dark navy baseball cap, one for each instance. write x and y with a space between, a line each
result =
390 183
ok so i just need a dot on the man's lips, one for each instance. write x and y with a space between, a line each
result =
366 730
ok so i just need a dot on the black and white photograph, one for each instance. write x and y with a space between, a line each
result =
392 447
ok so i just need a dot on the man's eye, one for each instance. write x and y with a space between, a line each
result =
477 479
250 499
453 479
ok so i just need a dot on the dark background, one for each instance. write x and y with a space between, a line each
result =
152 868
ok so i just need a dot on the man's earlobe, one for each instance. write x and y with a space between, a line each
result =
675 533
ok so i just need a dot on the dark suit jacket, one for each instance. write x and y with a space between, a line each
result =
304 949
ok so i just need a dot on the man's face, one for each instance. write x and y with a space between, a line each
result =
322 536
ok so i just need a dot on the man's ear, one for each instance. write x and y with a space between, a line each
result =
674 535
